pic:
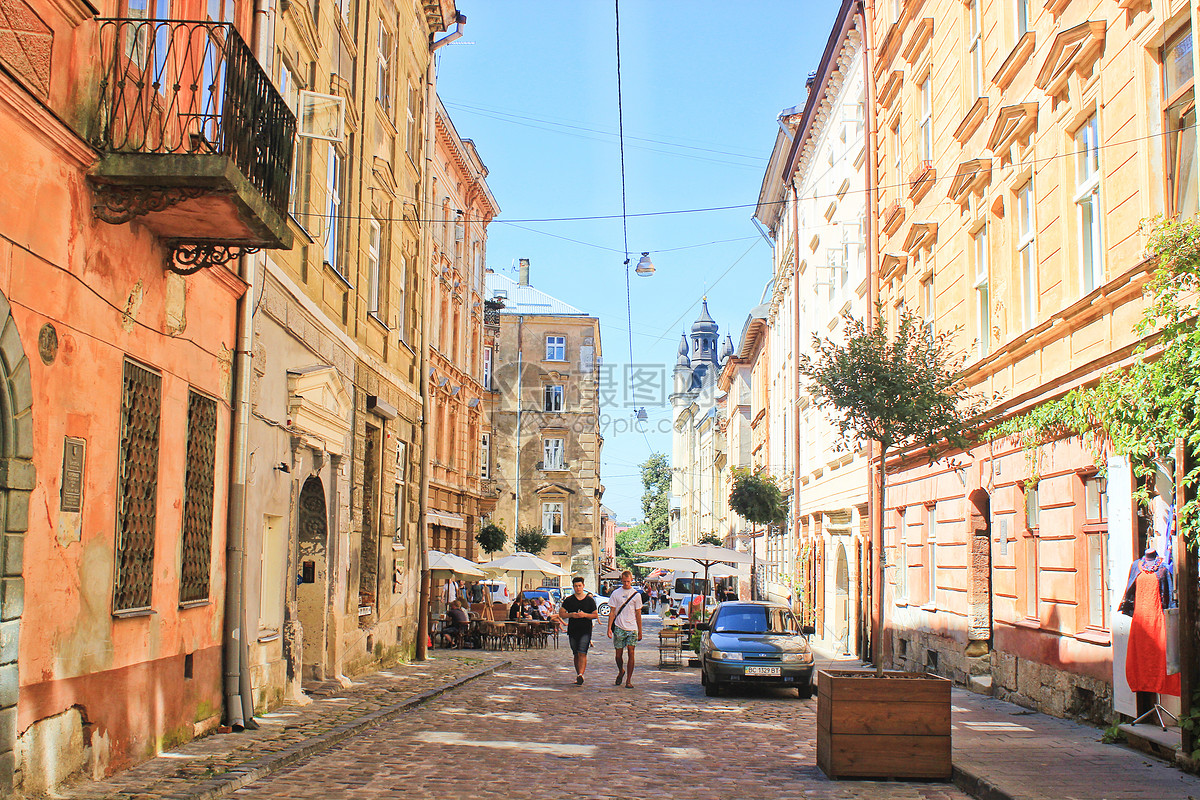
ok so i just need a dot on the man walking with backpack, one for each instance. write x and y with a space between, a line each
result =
625 626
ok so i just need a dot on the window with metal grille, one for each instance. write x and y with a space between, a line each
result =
137 487
198 484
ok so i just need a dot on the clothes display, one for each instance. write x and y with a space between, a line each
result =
1147 594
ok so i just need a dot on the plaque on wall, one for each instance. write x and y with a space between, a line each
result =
71 496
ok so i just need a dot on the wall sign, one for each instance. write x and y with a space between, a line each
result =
71 496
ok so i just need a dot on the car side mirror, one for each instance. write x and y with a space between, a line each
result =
701 626
808 630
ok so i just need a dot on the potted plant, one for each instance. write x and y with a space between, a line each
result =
897 392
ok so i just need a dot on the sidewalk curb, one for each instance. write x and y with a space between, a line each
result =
977 787
260 768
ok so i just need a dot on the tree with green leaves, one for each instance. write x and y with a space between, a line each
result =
656 483
531 539
711 538
491 538
757 498
902 391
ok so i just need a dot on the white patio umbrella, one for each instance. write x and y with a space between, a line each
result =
450 565
706 555
522 563
688 565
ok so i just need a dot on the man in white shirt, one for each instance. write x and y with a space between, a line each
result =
625 625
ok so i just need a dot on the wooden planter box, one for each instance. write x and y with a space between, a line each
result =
897 726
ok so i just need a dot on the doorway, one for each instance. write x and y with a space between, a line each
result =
842 599
979 590
313 578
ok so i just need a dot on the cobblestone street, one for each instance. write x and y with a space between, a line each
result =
528 731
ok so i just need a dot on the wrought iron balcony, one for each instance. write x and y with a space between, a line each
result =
195 139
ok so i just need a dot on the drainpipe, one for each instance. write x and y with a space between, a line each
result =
239 704
866 13
426 402
238 688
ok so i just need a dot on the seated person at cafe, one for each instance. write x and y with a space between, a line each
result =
534 611
457 623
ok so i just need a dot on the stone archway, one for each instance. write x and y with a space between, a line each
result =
17 480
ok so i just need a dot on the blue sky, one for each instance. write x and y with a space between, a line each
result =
534 84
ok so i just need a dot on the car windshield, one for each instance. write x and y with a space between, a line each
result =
691 586
755 619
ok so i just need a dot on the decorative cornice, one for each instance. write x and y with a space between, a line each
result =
920 37
891 88
921 235
971 174
1017 59
971 122
1013 124
1073 50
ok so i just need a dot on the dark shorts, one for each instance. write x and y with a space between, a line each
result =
580 642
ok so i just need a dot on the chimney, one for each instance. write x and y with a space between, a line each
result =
523 274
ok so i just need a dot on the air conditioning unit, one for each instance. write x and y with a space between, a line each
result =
322 116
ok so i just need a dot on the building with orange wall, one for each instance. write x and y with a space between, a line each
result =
1021 145
464 207
122 231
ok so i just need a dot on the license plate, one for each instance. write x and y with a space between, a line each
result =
771 671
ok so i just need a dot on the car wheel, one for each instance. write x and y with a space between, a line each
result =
712 688
805 690
604 609
703 676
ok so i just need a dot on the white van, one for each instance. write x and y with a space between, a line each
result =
683 586
497 591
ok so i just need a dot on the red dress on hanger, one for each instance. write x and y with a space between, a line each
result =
1146 656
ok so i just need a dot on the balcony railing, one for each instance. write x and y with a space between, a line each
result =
180 88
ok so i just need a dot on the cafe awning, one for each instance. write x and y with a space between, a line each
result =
446 519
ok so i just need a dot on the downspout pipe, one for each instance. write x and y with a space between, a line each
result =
237 684
239 708
795 321
423 595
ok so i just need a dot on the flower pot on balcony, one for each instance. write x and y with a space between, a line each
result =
894 726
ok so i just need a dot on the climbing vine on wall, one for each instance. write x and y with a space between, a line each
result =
1141 411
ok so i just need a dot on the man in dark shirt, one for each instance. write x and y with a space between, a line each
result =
579 609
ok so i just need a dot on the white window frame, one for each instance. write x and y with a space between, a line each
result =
487 368
552 397
983 315
931 557
1033 514
554 451
556 347
400 494
902 558
1088 213
384 48
927 118
975 48
551 509
1021 18
374 239
928 299
1027 253
333 208
485 456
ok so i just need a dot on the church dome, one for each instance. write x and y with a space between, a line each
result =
704 323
